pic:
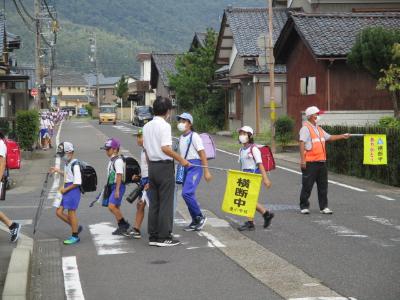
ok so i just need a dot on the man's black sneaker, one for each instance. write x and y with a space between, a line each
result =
200 223
267 218
134 233
247 226
168 243
14 233
191 226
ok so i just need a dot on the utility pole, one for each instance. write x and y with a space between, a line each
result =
93 59
271 65
38 65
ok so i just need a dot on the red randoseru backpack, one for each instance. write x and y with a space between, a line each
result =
267 157
13 154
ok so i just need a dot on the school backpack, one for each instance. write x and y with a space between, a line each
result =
132 168
89 176
209 146
13 159
267 157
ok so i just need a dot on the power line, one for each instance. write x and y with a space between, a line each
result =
27 24
48 9
25 10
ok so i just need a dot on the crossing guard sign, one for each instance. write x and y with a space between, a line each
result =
375 149
241 193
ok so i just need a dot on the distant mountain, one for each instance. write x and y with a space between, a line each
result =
123 28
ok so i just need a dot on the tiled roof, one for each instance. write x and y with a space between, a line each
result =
332 35
68 79
28 71
281 69
91 79
165 64
247 24
201 37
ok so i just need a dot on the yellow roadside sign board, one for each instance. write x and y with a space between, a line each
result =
375 149
241 193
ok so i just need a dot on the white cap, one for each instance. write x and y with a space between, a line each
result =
68 147
247 129
312 110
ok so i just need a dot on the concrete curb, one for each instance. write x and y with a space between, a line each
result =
18 275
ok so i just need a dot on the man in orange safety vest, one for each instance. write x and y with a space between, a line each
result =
313 160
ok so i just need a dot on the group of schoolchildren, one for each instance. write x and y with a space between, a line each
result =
48 121
191 148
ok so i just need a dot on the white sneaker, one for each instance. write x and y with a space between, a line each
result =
305 211
326 211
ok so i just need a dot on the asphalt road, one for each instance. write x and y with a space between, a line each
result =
354 252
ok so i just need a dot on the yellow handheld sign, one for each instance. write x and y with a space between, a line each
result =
375 149
241 193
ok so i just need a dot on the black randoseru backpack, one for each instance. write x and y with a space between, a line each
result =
89 177
132 167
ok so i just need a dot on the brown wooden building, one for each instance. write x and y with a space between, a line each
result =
314 48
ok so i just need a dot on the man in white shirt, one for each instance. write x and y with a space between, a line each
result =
12 226
158 145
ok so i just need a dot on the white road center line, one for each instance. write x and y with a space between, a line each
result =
106 243
299 173
385 198
323 298
72 282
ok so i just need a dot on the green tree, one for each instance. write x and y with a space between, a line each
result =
391 80
375 52
121 89
192 83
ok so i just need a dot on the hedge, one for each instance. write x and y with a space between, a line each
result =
27 128
346 156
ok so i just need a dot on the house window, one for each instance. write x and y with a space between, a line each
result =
113 92
102 92
308 86
235 103
278 96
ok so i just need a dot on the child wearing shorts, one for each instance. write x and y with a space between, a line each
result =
71 193
115 174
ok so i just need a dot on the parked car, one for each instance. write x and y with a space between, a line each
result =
142 115
83 112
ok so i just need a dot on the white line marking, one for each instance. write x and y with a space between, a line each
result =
56 182
298 172
106 243
324 298
385 198
382 221
346 186
289 170
72 282
213 241
24 222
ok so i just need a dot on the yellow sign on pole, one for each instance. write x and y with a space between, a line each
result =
375 149
241 193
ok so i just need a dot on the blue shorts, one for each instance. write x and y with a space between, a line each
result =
112 200
71 199
43 132
143 182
